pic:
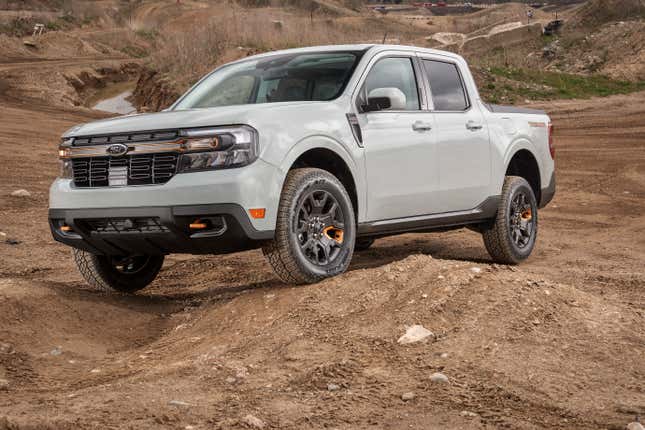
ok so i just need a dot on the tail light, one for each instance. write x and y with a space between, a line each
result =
551 144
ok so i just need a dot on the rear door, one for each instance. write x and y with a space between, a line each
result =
400 148
463 148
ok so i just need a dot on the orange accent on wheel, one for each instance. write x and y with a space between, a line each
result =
334 233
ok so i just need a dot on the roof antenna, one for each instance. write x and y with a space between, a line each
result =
384 37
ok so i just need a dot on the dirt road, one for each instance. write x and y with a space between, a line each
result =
558 342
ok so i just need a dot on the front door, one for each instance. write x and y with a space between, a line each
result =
400 146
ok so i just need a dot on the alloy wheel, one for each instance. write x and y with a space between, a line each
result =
522 221
320 227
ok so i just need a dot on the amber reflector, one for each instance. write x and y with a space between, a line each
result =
197 225
257 213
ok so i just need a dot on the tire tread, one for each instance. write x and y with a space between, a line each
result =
496 237
278 252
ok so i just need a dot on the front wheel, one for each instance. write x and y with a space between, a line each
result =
122 274
512 235
315 229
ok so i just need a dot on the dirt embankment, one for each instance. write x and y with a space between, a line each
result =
597 12
153 92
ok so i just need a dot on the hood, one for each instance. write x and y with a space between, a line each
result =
180 119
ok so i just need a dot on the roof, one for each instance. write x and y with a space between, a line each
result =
354 47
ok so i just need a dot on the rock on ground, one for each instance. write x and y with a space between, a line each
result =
439 378
407 396
21 193
253 421
415 333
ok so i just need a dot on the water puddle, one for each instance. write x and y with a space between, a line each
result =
117 104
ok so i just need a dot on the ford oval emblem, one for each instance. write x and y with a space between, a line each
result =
117 149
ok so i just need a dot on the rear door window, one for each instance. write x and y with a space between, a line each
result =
446 86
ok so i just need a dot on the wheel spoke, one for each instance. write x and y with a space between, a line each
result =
318 212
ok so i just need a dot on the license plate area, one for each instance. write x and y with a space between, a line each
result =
118 176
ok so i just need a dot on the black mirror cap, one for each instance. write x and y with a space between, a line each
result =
376 104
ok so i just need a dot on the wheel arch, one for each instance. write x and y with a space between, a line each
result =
328 160
523 163
332 157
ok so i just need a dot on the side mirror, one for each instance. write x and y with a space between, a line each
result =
376 104
385 98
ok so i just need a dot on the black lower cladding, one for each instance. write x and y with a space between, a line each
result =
547 193
157 230
432 222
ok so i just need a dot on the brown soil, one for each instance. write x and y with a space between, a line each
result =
554 343
557 342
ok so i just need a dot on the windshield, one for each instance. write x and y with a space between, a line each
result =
278 78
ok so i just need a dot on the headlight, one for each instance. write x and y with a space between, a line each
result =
218 148
66 170
64 151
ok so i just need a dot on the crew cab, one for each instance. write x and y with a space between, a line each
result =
310 154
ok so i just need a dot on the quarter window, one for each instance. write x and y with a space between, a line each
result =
395 72
446 86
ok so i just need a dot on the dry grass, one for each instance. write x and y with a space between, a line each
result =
238 33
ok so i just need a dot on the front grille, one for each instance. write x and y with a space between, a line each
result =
145 169
156 136
125 225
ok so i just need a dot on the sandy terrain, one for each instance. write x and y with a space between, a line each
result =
557 342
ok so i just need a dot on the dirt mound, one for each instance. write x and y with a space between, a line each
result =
615 49
598 12
315 356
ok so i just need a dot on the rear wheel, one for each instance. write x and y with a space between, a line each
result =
511 238
122 274
315 229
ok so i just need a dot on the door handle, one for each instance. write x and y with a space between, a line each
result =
421 126
473 126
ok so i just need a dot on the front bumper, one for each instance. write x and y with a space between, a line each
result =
157 230
255 186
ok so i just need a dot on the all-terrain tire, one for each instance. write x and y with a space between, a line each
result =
284 253
498 236
363 244
100 272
